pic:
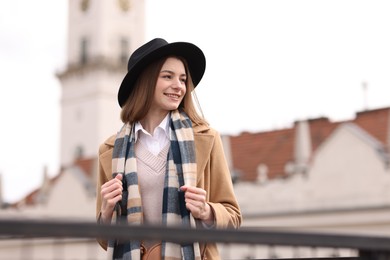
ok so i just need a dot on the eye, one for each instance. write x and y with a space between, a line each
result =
166 76
183 80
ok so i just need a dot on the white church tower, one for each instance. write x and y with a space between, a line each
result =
101 36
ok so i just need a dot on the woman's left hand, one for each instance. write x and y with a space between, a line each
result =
195 199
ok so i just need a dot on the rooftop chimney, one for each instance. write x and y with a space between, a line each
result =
302 147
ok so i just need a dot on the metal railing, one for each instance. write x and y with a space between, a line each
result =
367 247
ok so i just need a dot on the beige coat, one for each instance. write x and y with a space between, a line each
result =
213 176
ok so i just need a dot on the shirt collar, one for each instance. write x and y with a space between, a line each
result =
164 125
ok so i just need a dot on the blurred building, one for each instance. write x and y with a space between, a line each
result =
101 35
317 175
70 196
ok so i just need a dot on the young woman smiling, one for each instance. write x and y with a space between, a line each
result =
166 165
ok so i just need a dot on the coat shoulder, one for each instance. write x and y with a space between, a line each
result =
205 130
107 144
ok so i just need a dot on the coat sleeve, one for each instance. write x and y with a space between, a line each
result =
219 186
102 178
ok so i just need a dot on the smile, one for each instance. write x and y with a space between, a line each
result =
172 95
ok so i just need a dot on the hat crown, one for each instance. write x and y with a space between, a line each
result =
144 50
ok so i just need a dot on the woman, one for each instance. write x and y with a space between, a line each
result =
166 166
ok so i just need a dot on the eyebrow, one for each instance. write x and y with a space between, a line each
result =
171 72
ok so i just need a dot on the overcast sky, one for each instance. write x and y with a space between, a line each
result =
269 63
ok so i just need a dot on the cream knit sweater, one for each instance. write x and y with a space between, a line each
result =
151 172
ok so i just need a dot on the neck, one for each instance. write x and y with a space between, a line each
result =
151 121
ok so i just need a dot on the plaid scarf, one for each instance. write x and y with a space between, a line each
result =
181 169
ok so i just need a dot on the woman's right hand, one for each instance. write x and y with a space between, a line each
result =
111 193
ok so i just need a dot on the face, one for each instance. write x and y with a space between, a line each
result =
170 86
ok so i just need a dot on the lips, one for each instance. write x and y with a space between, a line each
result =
172 95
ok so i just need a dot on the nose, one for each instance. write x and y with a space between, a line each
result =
177 83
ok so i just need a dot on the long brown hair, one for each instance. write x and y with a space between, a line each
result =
140 100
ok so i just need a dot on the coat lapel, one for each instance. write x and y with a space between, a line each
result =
203 145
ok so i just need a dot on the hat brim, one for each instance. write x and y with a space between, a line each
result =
191 53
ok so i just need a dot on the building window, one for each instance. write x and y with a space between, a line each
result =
84 51
124 51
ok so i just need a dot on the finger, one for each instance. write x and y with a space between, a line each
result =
193 189
108 206
111 188
195 206
107 196
116 180
111 185
194 197
111 194
184 188
111 202
195 202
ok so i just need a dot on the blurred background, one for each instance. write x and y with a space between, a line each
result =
299 91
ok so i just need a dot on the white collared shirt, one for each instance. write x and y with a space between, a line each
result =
156 142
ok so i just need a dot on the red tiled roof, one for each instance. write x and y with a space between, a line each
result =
376 122
30 198
320 129
273 148
87 165
276 148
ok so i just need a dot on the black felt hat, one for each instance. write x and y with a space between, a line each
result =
156 49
